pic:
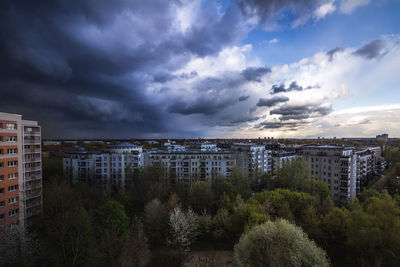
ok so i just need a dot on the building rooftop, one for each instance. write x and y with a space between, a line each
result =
327 147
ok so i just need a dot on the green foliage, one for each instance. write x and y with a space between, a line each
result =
200 196
52 168
295 175
156 220
240 183
112 229
278 243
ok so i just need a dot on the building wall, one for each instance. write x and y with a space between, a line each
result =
32 165
191 166
334 166
11 210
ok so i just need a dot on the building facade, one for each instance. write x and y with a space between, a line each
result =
279 158
250 158
20 170
105 169
187 167
335 166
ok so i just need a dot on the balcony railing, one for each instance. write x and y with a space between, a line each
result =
35 150
34 159
30 141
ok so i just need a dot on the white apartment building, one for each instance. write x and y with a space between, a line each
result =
335 166
187 167
107 169
367 165
248 157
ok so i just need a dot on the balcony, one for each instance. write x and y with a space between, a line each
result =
33 177
35 150
33 159
32 133
29 169
32 186
32 204
30 141
31 195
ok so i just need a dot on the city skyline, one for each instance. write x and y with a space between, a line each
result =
186 69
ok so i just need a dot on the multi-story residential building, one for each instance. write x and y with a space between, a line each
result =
367 165
186 167
251 157
20 170
32 166
280 157
335 166
105 169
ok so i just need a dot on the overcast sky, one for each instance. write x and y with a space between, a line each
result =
246 68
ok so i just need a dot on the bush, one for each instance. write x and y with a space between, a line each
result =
278 243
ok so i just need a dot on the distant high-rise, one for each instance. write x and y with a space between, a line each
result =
20 170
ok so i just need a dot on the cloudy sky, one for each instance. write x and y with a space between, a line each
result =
245 68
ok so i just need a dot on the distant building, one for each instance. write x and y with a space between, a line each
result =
20 170
51 143
382 137
203 146
187 167
250 157
105 169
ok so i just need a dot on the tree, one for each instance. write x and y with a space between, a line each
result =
156 222
201 196
112 228
295 175
135 251
241 183
278 243
183 229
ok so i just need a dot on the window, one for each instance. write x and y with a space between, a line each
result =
13 200
1 178
2 216
11 139
1 151
1 191
12 188
12 176
11 126
1 164
1 138
12 163
2 204
12 213
11 151
1 125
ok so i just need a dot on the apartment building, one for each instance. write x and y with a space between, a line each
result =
335 166
250 157
367 165
20 170
106 169
203 146
187 167
279 158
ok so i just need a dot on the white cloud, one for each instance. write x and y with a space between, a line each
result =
324 10
348 6
273 41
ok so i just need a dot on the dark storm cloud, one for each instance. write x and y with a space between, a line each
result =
269 102
280 88
87 64
300 112
280 12
332 52
255 74
163 77
204 106
371 50
278 125
246 119
243 98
